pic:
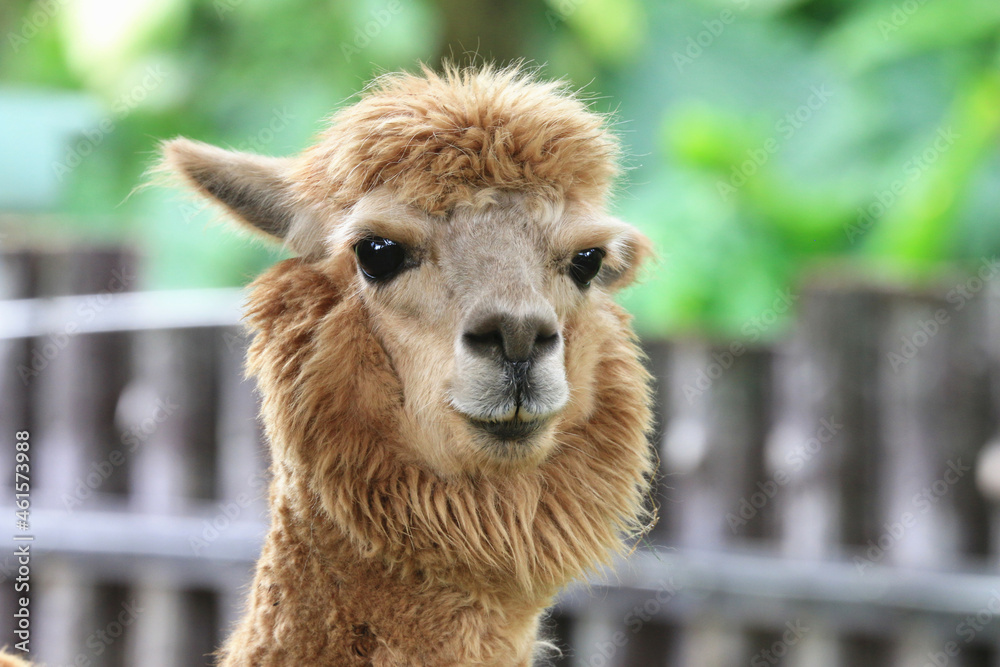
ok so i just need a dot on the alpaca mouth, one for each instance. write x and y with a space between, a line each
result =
510 430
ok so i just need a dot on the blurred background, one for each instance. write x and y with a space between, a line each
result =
821 179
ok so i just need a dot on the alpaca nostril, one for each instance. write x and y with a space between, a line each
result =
485 341
546 341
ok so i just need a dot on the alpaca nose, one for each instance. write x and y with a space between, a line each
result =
512 337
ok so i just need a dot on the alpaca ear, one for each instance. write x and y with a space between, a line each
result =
626 255
255 189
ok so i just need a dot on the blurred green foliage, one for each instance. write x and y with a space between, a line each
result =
767 137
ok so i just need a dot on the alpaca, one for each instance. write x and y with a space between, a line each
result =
457 410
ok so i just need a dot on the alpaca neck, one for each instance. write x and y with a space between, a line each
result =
316 597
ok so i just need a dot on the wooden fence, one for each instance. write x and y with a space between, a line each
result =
825 502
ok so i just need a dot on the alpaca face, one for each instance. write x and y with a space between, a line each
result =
476 311
468 212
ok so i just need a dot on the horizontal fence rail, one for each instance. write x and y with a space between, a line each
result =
107 536
129 311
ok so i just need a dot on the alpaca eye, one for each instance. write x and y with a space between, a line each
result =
379 258
585 265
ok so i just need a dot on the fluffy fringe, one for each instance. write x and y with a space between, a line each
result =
438 138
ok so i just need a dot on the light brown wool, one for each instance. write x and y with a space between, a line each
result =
397 538
438 139
374 561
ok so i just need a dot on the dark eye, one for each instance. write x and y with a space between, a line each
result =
379 258
585 265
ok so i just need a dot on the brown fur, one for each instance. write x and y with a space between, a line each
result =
440 138
439 571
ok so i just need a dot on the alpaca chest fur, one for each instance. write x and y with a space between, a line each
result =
314 601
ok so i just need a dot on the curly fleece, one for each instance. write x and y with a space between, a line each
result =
437 139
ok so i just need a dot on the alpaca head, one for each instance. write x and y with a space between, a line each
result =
467 214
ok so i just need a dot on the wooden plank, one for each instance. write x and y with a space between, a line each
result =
711 449
988 461
711 452
74 389
172 409
934 421
755 584
822 439
161 632
64 601
243 460
175 392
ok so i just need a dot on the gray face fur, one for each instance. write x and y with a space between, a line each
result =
509 356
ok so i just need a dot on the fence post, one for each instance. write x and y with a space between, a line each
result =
173 468
711 451
18 280
822 438
76 384
988 462
933 389
598 634
243 458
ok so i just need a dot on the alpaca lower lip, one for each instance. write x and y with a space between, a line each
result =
514 429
